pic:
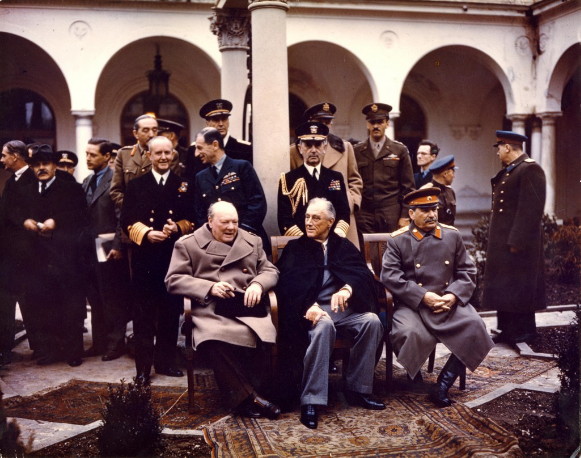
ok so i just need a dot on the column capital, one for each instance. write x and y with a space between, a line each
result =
83 113
232 27
548 116
255 4
518 117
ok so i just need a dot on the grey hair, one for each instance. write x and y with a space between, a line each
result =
157 139
212 212
329 208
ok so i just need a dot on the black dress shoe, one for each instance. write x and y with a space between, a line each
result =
75 362
363 400
112 354
501 338
169 371
248 409
144 378
309 416
266 408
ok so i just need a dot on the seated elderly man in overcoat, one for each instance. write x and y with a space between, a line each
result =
325 290
224 270
428 271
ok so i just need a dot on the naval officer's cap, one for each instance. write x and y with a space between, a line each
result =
422 198
67 158
215 108
323 110
165 125
510 137
312 131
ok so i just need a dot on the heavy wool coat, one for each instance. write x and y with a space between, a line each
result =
199 261
341 158
515 282
415 263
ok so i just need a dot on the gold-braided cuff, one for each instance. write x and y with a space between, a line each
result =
137 231
185 226
342 228
293 231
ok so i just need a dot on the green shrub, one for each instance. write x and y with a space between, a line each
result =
564 254
478 252
131 424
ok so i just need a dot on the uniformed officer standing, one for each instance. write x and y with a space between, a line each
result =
428 271
514 276
67 161
312 179
217 114
172 130
386 169
231 180
339 156
443 171
157 210
132 161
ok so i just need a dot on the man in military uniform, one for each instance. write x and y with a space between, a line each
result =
514 280
428 271
311 180
443 172
172 130
230 180
67 161
339 156
157 210
217 115
386 169
132 161
427 153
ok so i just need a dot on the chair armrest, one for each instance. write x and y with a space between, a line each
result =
273 309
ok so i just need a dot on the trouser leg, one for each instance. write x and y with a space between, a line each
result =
144 316
116 299
166 337
366 331
315 383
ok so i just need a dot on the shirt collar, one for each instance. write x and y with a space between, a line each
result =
48 183
158 176
220 163
225 139
310 169
20 171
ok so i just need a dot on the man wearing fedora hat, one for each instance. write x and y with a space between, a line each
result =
428 271
386 169
514 280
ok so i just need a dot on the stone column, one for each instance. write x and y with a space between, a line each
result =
518 124
232 26
548 157
83 133
390 131
270 110
536 140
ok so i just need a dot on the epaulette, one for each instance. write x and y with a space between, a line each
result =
244 142
447 226
530 160
401 230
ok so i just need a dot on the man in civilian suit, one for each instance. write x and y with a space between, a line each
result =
230 180
108 279
311 180
157 210
14 156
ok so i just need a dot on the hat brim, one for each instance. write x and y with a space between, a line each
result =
316 137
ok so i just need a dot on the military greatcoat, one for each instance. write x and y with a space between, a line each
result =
387 178
415 263
515 282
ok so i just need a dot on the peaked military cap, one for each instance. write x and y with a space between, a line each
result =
508 136
375 111
321 110
217 107
442 163
40 153
422 198
67 157
165 125
312 131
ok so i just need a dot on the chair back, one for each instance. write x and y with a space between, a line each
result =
374 247
278 243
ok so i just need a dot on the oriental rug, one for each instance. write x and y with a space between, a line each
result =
80 402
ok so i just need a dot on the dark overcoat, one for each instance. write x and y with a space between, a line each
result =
238 149
329 185
199 261
415 263
515 282
301 269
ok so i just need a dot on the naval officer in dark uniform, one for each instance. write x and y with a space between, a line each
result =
217 115
428 271
514 276
157 210
443 171
311 180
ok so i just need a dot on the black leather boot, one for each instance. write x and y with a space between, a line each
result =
450 372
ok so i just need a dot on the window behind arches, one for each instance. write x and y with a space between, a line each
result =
26 116
410 127
170 108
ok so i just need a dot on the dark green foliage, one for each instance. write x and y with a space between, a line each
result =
564 254
10 444
131 424
567 350
478 252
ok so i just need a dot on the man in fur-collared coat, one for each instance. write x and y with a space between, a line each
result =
428 271
217 260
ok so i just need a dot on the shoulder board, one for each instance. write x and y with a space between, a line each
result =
244 142
401 230
447 226
126 147
530 160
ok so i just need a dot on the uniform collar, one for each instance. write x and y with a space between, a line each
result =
419 235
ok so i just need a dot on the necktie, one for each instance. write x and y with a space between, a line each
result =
93 183
161 182
214 171
315 174
42 187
